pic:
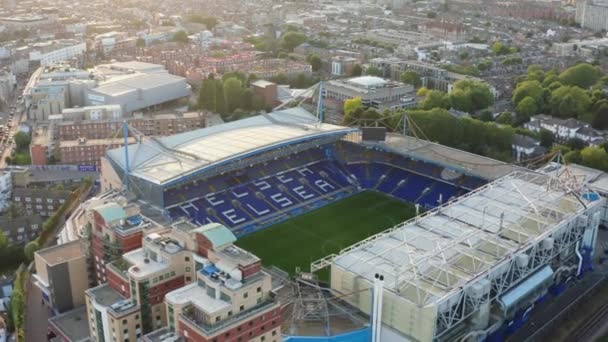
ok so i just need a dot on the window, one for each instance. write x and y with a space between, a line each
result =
274 332
229 313
124 321
259 289
217 319
262 338
245 295
188 269
187 259
242 307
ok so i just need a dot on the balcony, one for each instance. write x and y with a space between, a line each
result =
192 316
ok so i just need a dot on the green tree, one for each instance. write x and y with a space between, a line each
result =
486 115
247 99
356 71
373 71
460 100
505 118
315 62
412 78
292 39
22 140
220 98
479 94
581 75
569 101
595 157
233 90
546 138
257 102
206 95
525 109
351 105
435 99
31 248
3 240
531 89
180 37
600 115
573 157
422 91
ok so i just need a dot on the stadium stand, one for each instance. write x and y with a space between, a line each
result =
270 192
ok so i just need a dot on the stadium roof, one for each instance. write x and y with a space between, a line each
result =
166 159
465 162
126 83
428 258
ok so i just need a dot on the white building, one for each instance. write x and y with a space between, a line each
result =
592 14
375 92
56 51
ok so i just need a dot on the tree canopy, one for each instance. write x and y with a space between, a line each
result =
412 78
469 96
356 70
569 101
22 140
292 39
373 71
435 99
581 75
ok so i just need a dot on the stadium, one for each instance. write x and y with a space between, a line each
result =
466 245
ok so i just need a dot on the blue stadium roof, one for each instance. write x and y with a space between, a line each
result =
182 154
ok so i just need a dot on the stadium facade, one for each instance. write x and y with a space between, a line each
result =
494 240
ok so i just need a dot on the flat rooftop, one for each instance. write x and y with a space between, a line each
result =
105 295
198 296
62 253
424 259
197 150
73 324
142 266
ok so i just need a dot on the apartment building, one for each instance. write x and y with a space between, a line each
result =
62 274
83 151
191 281
592 14
6 189
375 92
43 202
19 230
153 125
115 228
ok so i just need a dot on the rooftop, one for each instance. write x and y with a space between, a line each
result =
197 295
368 81
197 150
62 253
105 295
73 324
423 260
142 265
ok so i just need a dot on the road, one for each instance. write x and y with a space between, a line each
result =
20 117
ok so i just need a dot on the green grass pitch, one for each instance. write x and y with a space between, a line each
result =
309 237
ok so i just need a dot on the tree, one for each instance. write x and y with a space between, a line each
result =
220 98
422 91
581 75
247 99
460 100
315 62
600 115
478 94
412 78
233 89
531 89
31 248
435 99
206 95
180 37
3 240
486 116
22 140
595 157
525 109
356 71
569 101
257 102
351 105
546 138
292 39
373 71
573 157
505 118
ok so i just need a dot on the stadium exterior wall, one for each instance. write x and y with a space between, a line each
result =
398 313
362 335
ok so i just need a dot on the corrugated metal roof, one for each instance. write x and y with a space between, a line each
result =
218 235
526 287
221 143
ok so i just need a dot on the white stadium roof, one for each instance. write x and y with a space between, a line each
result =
171 157
427 258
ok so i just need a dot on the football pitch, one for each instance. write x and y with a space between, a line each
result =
303 239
